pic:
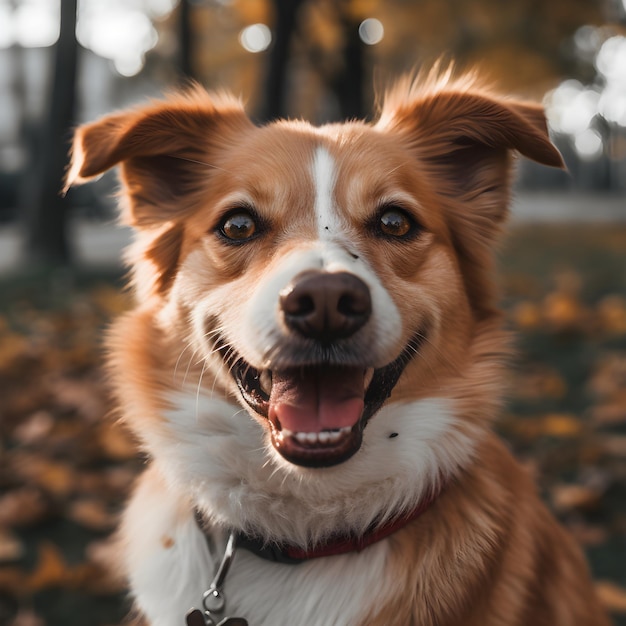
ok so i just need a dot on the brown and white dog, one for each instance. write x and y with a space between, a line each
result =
315 359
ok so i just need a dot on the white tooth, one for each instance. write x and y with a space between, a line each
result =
324 437
334 436
301 437
369 374
286 432
265 381
345 429
311 437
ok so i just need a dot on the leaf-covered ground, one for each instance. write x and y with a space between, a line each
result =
66 466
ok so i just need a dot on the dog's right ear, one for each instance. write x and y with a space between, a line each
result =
165 151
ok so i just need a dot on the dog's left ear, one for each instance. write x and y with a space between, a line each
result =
465 138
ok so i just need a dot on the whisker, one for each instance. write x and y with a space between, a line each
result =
180 356
176 156
189 366
198 392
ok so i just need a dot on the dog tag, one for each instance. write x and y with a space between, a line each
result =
195 618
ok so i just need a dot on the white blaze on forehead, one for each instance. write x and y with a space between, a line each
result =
324 177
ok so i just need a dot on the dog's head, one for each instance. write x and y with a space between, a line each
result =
320 273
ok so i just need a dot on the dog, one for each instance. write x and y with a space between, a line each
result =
314 362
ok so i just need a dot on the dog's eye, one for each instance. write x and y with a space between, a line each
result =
239 226
395 223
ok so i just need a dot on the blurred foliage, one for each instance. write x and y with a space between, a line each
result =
66 466
522 45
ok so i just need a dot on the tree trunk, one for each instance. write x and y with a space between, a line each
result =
286 12
349 84
185 42
45 212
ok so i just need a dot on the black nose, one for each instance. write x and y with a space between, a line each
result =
326 306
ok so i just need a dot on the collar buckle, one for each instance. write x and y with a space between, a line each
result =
213 599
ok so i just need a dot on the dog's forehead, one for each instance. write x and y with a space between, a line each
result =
298 158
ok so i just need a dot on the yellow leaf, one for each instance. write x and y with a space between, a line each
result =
563 311
526 315
11 548
116 442
51 569
612 313
54 477
561 425
612 596
91 514
568 497
12 347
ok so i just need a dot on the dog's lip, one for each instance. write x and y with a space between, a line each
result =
323 447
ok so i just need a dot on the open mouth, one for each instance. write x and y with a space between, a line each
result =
317 413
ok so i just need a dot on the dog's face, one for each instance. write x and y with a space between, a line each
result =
320 273
317 280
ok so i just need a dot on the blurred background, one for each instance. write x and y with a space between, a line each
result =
66 467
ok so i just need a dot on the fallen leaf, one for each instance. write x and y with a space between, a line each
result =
612 313
608 414
51 569
11 548
92 514
81 395
54 477
112 301
23 506
612 596
566 497
563 311
526 315
116 443
13 581
561 425
12 347
615 445
609 378
35 428
538 384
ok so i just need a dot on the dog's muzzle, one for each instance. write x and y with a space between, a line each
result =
318 406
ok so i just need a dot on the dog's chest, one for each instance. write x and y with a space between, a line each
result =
328 591
170 577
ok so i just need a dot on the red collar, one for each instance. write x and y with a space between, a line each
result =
338 543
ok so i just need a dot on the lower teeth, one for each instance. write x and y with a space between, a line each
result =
323 437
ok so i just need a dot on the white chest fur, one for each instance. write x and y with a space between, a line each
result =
170 567
208 453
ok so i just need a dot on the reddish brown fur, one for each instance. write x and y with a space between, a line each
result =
487 553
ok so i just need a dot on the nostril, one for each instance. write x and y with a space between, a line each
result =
353 304
304 306
296 302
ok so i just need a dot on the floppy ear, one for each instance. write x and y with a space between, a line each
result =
165 151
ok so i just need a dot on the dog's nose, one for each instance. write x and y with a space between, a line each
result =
326 306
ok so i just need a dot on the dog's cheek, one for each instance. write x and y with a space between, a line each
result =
164 255
424 281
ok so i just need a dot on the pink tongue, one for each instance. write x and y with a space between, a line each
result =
310 400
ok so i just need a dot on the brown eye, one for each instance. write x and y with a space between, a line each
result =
395 223
239 226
